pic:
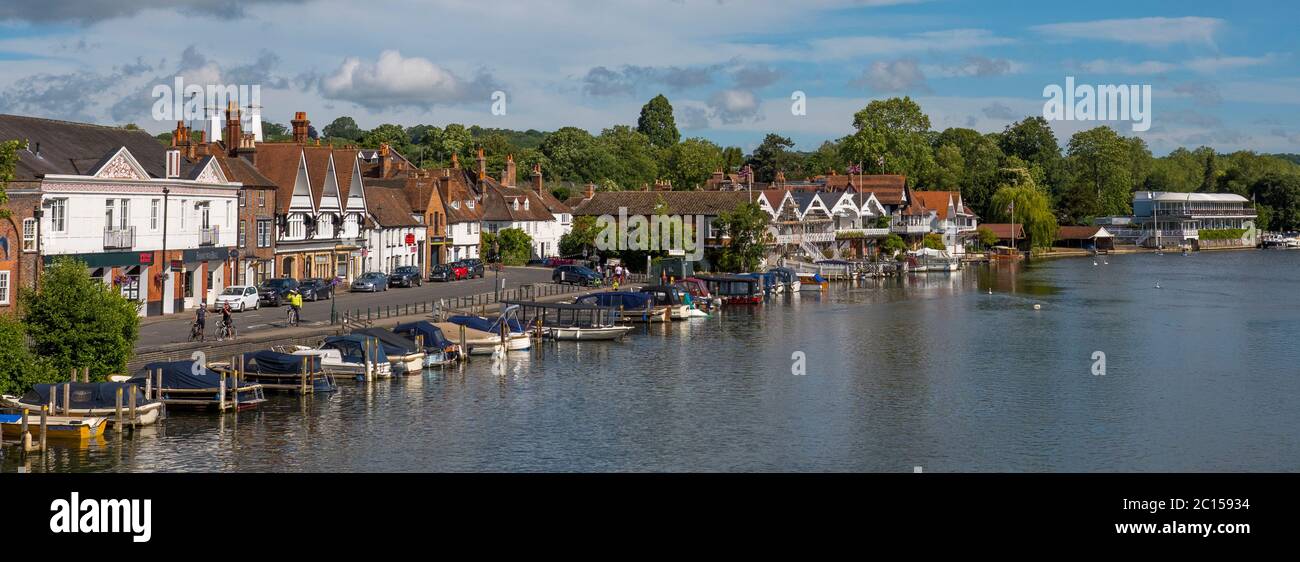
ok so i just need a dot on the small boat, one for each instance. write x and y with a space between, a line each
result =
403 354
699 291
60 428
735 289
88 399
632 306
438 350
478 342
177 385
787 277
931 260
812 283
671 298
1005 253
516 338
277 370
352 355
580 333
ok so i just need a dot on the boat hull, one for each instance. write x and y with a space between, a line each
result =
147 414
588 334
60 428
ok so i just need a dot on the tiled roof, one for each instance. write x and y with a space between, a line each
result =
242 171
1003 230
1076 232
498 203
678 202
387 203
937 201
75 148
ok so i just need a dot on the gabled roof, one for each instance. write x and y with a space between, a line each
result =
709 203
1003 230
1081 232
238 169
939 202
499 203
77 148
387 203
278 161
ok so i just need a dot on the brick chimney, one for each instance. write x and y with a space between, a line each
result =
779 181
300 124
192 149
234 134
537 177
482 165
508 175
385 160
455 161
590 191
181 136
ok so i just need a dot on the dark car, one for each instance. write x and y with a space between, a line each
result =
316 289
473 267
275 292
370 282
575 274
405 276
445 272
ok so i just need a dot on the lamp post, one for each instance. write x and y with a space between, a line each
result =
167 264
496 276
37 213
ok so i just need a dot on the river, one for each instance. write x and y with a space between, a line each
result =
926 371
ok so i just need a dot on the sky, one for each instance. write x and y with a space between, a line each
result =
1222 74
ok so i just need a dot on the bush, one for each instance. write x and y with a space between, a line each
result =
75 322
19 369
1222 234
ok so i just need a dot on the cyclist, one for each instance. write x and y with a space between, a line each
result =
200 323
227 322
295 304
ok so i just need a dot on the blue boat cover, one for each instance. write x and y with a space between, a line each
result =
394 344
353 347
628 300
485 325
180 374
87 395
433 337
275 363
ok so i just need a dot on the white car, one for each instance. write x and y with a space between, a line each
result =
240 297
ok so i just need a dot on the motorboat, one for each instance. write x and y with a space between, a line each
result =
88 399
403 353
735 289
438 350
586 333
699 291
352 355
60 428
476 342
284 369
812 283
631 306
516 338
670 297
178 385
787 277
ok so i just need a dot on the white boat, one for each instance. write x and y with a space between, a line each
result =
349 355
696 313
576 333
95 399
478 341
812 283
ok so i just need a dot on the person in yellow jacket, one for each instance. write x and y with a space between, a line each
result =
295 301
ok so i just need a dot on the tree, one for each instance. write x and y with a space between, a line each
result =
980 157
892 244
1280 193
343 128
1101 180
987 238
950 167
690 163
511 246
656 122
933 241
827 158
1032 140
388 133
8 163
1180 171
1032 207
576 156
631 158
746 225
732 158
891 138
581 238
75 322
20 369
774 155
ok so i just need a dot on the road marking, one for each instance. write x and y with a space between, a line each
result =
255 326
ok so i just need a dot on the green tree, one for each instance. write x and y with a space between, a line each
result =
1032 140
510 246
275 132
657 123
987 238
632 160
980 157
388 133
732 158
827 158
8 163
1180 171
20 369
774 155
576 156
892 245
691 162
343 128
581 239
746 226
1032 207
75 322
1101 180
891 138
933 241
1280 193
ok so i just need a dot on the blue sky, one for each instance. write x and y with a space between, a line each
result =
1222 74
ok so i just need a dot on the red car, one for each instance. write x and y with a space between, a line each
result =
459 272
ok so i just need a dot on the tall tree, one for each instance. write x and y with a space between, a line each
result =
980 157
1101 178
576 156
746 226
1280 193
891 138
1020 201
774 155
75 322
1032 140
632 159
732 158
690 163
657 122
344 128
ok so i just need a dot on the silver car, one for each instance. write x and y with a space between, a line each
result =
370 282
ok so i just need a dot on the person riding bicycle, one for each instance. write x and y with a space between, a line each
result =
227 322
200 320
295 302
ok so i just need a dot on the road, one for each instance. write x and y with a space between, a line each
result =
176 328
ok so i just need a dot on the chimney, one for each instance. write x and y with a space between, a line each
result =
780 179
455 161
590 191
508 176
482 165
385 160
173 163
255 121
181 136
537 177
214 124
234 129
299 124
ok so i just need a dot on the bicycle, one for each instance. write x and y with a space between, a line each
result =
225 330
293 318
196 332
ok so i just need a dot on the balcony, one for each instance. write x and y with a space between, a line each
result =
209 236
845 233
805 237
909 228
119 238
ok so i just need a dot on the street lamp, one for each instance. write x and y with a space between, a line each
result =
37 213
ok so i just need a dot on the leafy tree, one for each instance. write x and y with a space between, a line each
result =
20 369
980 157
582 238
75 322
987 238
1032 140
343 128
892 244
933 241
827 158
511 246
732 158
746 226
1180 171
690 163
657 122
891 138
275 132
1032 207
774 155
950 167
576 156
631 158
388 133
1101 180
1281 194
8 162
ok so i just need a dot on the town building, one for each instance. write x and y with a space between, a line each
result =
1162 218
936 212
506 205
464 212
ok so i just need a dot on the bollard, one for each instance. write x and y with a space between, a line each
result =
221 392
148 388
26 428
44 426
117 423
85 374
67 399
133 413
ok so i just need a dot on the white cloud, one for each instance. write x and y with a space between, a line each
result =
394 80
894 76
1155 31
733 106
1211 65
1125 67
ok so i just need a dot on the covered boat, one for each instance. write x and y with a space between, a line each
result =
632 306
670 297
699 291
812 283
403 354
477 342
516 336
89 399
176 384
438 350
787 277
735 289
276 370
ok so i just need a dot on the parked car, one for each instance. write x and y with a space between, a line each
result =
473 267
240 297
275 292
575 274
447 272
405 276
315 289
370 282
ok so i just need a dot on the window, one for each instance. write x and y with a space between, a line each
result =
4 287
29 235
205 215
59 215
230 217
185 206
131 283
243 234
155 206
243 198
261 198
264 234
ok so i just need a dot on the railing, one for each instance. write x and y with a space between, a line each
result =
864 232
910 228
119 238
805 237
209 236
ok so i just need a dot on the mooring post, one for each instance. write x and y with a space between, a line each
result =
67 399
85 374
25 427
133 412
221 393
117 423
44 426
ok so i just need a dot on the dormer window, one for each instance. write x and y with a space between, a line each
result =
525 204
455 204
516 204
470 203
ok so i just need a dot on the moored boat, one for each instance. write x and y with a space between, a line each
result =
669 297
60 428
88 399
812 283
516 338
580 333
438 350
177 384
476 342
352 355
403 354
631 306
276 370
735 289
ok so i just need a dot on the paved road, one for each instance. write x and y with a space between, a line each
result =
177 328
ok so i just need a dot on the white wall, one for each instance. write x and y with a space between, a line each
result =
85 222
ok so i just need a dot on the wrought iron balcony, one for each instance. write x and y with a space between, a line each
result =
119 238
209 236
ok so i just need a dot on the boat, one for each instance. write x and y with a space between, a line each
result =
477 342
1005 253
277 370
177 385
516 338
570 322
438 350
403 353
57 428
735 289
787 277
632 306
589 333
699 291
812 283
931 260
671 298
352 355
88 399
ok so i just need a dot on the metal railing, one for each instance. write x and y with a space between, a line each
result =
209 236
119 238
910 228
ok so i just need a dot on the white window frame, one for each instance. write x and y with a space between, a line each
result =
155 214
29 234
4 287
59 215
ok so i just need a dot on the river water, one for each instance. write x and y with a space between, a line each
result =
932 371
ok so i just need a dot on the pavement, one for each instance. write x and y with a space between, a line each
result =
175 328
